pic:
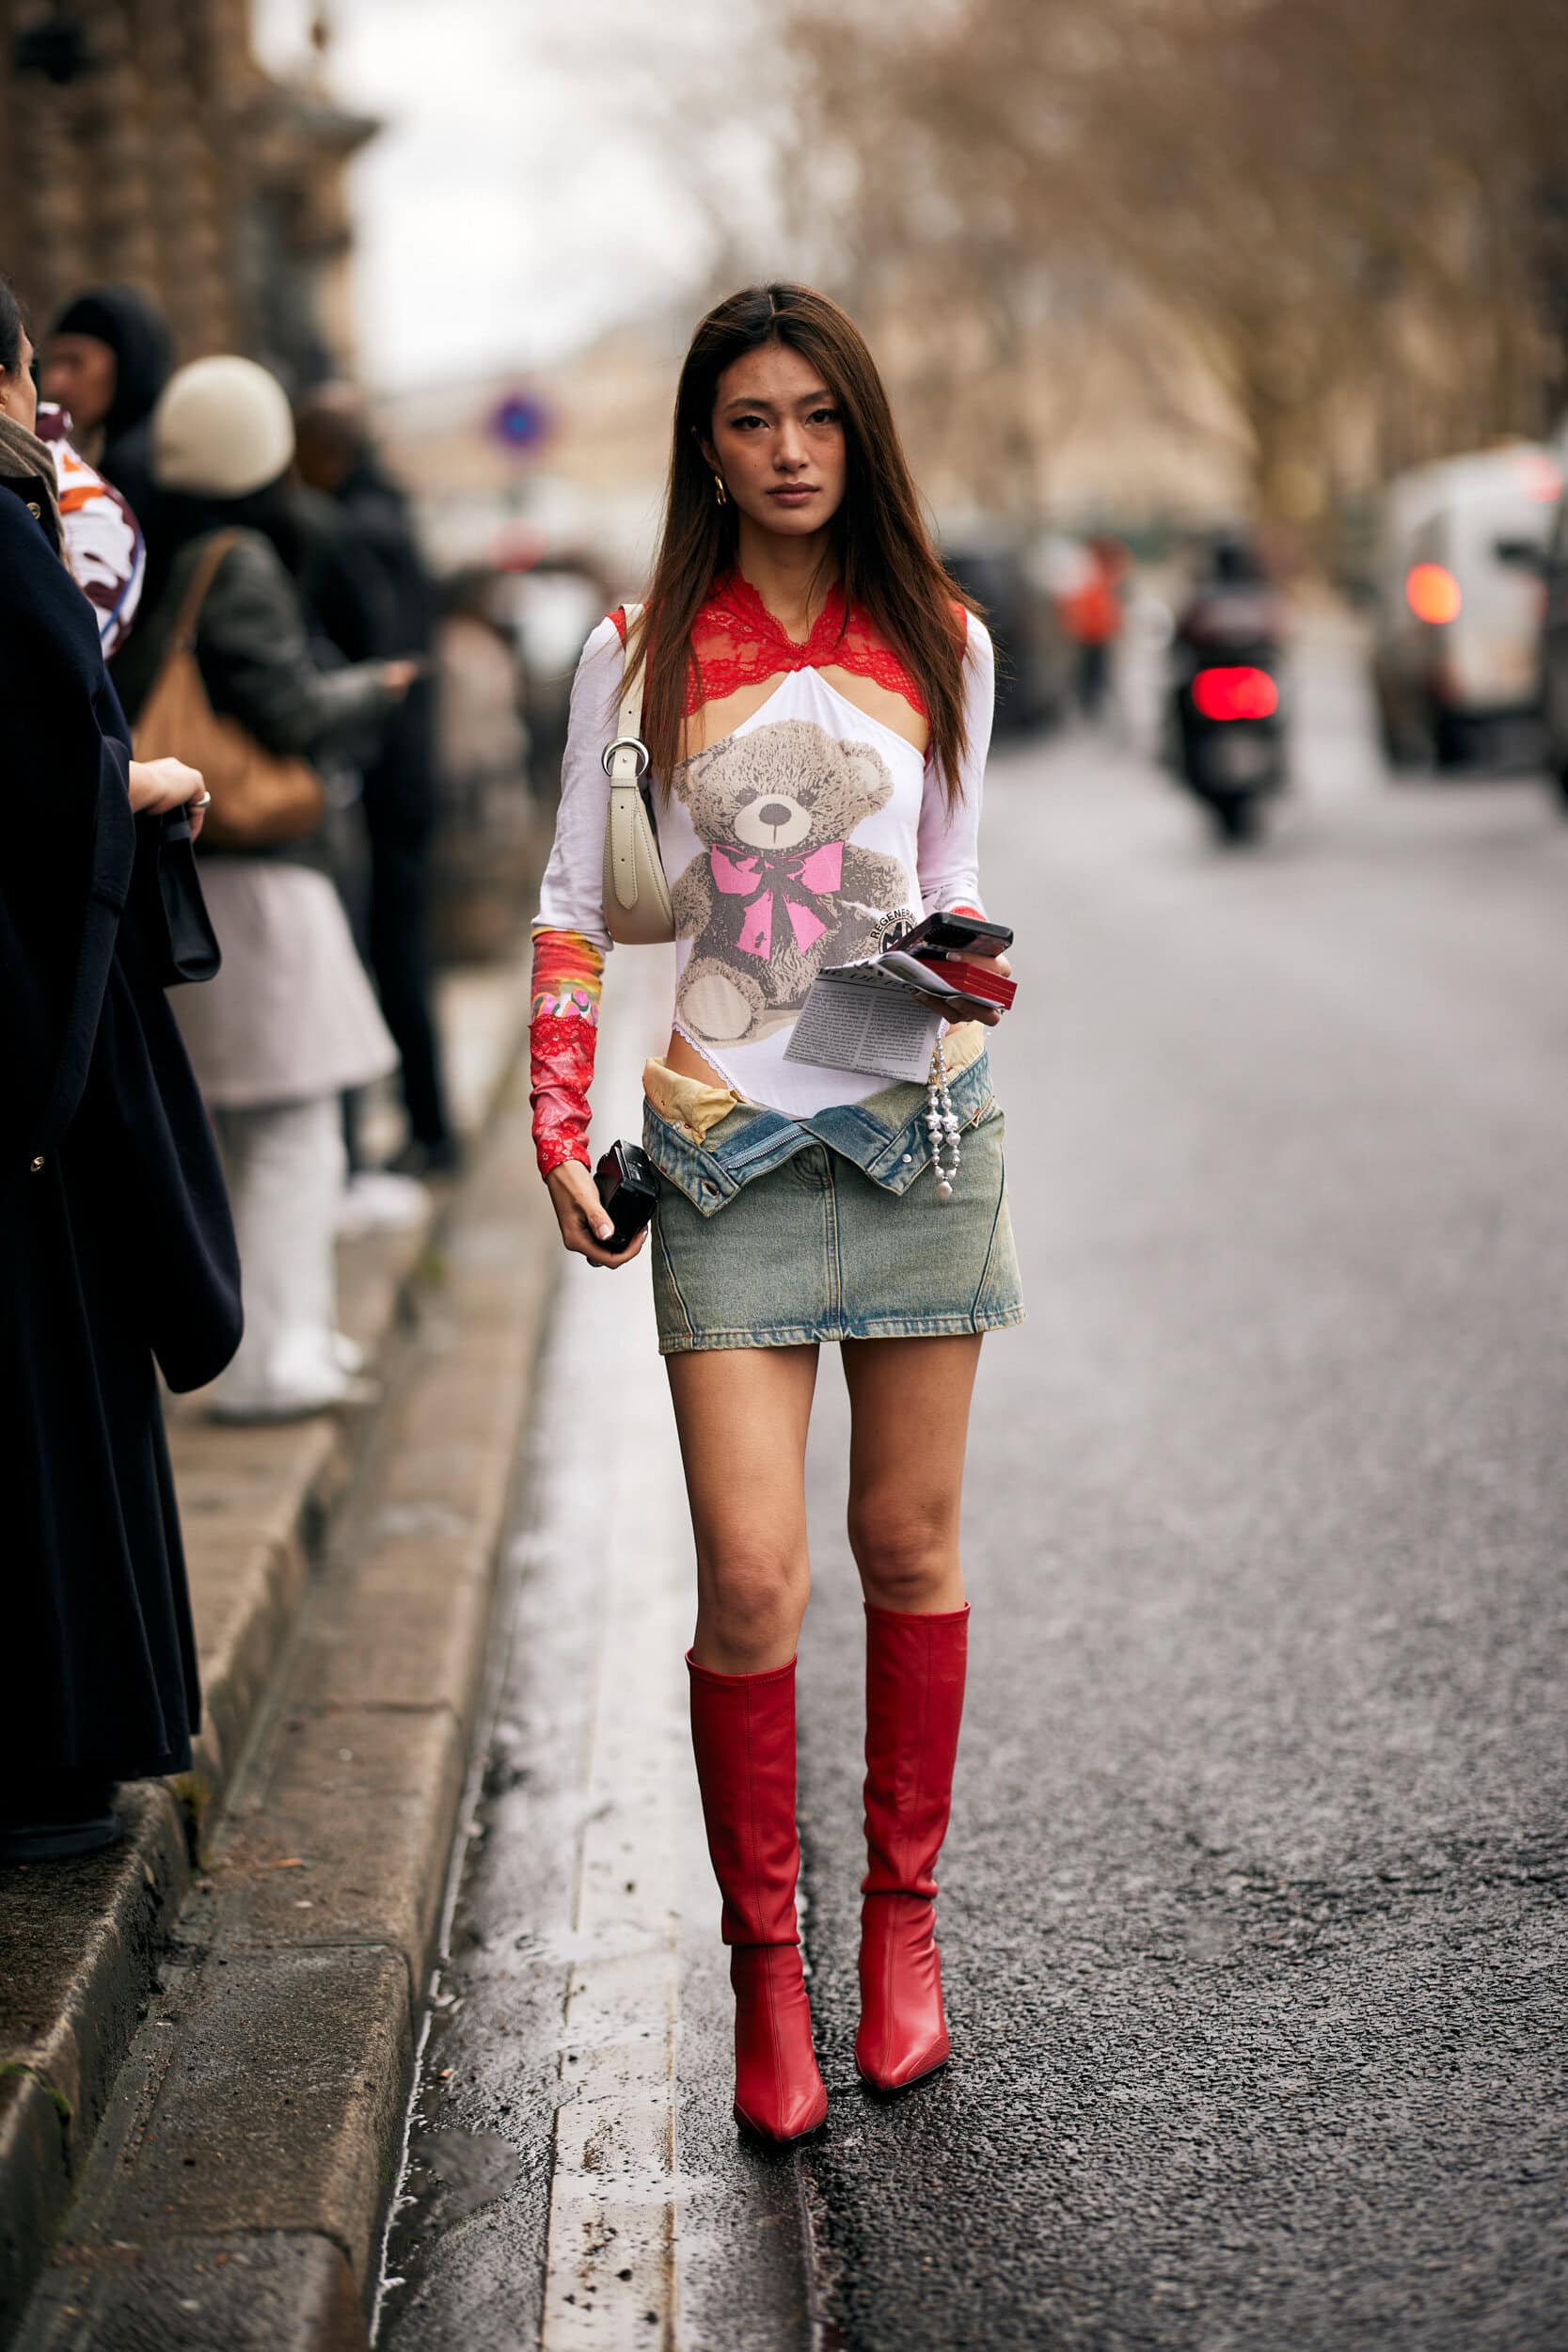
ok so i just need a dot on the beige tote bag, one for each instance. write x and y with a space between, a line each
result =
260 798
636 909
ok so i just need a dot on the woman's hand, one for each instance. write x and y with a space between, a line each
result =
159 785
582 1216
989 1015
398 676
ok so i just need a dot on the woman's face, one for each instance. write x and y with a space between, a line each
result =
18 394
777 441
79 372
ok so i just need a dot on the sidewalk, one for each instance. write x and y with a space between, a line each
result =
575 2178
81 1944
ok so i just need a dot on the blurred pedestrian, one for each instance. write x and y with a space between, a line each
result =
100 538
350 617
105 360
290 1019
336 457
1091 614
482 737
116 1245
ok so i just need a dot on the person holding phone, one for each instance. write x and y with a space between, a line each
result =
817 708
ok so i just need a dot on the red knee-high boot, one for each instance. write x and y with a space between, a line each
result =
743 1733
914 1696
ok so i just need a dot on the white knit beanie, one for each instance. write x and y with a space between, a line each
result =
222 428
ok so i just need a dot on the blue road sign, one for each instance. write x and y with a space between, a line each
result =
521 423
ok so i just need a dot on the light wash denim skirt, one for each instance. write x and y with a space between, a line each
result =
775 1231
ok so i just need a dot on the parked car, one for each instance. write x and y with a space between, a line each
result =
1554 652
1033 659
1456 646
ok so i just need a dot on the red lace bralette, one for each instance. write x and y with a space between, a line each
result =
735 642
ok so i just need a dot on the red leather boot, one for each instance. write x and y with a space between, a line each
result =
914 1696
743 1733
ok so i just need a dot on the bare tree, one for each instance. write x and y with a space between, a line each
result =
1341 205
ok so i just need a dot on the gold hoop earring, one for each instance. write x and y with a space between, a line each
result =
721 496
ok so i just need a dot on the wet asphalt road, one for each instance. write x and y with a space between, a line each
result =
1254 1905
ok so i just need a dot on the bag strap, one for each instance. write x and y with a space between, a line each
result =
626 762
630 719
212 554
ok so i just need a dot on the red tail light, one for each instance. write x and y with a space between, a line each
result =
1241 693
1433 592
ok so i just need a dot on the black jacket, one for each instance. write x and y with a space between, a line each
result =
254 653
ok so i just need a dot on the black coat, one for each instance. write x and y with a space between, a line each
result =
116 1242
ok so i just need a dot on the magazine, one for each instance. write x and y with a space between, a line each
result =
867 1016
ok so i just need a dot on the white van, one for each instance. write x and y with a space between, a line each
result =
1457 630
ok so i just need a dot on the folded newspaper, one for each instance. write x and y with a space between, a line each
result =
866 1016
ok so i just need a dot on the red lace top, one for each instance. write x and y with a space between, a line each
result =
735 642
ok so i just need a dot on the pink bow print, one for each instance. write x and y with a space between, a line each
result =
798 877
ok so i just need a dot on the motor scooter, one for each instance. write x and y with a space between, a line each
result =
1226 709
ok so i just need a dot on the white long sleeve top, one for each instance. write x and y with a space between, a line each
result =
811 834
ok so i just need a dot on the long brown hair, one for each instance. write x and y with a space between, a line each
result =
887 562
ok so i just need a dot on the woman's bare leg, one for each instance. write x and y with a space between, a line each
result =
742 1414
908 1404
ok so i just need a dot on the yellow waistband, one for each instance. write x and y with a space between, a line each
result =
689 1104
693 1105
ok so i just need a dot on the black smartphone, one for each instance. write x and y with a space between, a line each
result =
628 1184
951 934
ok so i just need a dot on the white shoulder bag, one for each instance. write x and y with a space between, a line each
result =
636 909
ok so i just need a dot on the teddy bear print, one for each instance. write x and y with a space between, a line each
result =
779 889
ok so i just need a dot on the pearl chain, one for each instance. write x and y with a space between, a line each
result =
941 1125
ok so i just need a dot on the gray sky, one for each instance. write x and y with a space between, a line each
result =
527 189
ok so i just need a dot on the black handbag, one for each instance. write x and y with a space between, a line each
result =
183 942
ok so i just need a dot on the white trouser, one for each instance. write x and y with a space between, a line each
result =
286 1166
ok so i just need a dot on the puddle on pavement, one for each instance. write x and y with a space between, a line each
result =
453 2173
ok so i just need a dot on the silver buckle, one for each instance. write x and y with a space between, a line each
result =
626 743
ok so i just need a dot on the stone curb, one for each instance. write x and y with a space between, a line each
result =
261 2105
80 1941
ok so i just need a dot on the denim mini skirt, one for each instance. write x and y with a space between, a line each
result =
774 1232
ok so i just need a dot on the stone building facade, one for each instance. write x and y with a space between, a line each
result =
141 143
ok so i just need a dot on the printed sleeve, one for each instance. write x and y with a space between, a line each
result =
571 896
563 1035
949 839
570 941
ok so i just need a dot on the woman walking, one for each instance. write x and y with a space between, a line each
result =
816 710
290 1021
116 1245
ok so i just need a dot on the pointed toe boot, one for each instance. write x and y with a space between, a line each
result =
743 1735
914 1690
903 2028
779 2094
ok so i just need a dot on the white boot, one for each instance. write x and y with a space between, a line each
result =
285 1164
